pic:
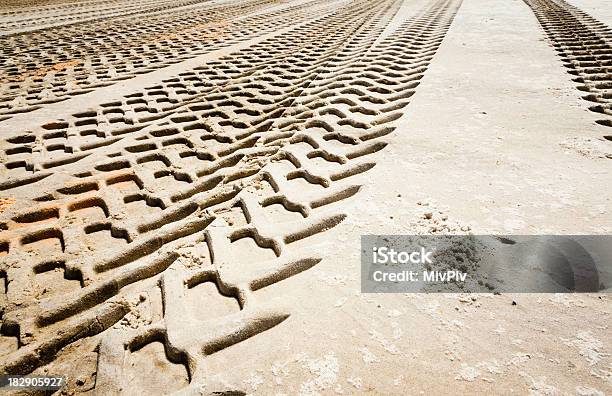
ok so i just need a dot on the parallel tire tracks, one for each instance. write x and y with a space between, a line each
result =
46 16
53 65
250 156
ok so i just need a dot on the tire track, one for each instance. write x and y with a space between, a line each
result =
279 130
88 137
44 17
584 45
90 194
50 66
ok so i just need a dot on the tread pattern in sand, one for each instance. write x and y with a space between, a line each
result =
222 183
42 16
585 46
74 60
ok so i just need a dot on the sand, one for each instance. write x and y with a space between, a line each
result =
184 215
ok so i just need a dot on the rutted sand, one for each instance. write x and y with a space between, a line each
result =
241 201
